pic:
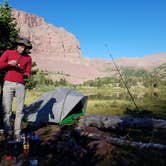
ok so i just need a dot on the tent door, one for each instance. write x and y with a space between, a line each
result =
77 111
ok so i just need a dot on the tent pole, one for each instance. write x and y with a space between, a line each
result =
64 104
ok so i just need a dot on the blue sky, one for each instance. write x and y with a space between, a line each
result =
130 28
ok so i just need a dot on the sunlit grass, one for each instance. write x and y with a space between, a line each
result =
106 107
105 101
31 96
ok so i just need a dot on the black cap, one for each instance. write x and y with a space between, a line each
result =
25 42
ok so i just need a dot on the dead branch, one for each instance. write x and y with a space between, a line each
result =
120 141
109 122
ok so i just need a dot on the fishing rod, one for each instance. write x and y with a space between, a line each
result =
124 82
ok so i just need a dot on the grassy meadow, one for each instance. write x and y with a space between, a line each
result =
114 101
109 96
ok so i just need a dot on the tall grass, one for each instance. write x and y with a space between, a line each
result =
112 101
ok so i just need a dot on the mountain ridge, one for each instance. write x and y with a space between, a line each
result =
58 50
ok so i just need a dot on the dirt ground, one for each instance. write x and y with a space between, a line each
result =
63 146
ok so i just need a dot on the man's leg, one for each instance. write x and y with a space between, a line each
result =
20 98
8 94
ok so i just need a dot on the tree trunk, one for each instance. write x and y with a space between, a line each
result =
122 141
122 123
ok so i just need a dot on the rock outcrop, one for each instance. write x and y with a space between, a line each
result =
55 49
47 39
58 51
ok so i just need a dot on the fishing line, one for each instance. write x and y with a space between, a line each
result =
124 82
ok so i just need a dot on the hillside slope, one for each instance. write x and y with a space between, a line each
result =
58 51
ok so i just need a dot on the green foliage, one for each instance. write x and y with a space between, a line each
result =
131 72
31 82
62 73
132 78
40 78
100 82
8 30
61 82
147 88
160 72
37 78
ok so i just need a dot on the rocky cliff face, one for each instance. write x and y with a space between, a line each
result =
58 51
47 39
55 49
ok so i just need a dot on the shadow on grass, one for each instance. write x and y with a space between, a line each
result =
139 113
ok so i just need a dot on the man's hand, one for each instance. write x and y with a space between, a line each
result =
12 62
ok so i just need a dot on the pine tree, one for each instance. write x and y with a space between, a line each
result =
9 32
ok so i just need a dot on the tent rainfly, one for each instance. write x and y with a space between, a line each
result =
61 106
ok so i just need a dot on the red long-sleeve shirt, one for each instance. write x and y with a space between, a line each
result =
15 73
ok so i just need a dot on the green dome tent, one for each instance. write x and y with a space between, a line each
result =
61 106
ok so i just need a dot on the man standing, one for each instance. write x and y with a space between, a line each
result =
17 64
